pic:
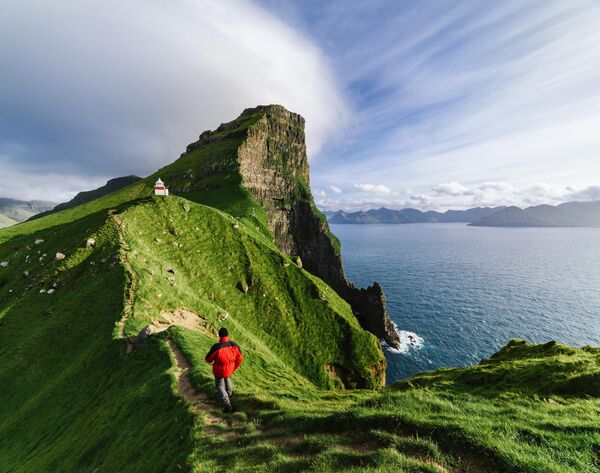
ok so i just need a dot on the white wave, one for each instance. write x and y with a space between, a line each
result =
408 341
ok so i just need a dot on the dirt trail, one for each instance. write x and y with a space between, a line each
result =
183 318
131 283
199 400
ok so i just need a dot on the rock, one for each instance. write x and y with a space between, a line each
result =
3 264
145 333
26 273
38 241
224 316
42 291
59 257
169 269
158 240
368 306
243 286
186 206
90 243
50 291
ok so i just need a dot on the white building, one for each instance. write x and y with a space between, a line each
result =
160 188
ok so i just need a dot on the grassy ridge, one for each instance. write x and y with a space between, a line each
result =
523 369
72 400
219 266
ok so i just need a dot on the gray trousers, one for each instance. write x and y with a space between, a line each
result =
225 389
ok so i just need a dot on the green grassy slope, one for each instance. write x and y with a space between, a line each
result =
71 399
288 316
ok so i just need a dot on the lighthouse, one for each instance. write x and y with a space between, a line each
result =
160 189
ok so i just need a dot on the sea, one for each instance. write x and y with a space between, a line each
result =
457 294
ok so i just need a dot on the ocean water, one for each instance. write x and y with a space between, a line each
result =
457 294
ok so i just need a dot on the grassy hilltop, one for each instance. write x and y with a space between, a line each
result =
81 394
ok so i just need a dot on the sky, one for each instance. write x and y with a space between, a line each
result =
432 104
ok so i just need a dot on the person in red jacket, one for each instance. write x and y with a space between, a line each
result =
226 357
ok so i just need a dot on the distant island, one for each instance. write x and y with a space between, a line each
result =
569 214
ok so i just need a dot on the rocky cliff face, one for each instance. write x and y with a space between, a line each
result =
274 168
265 149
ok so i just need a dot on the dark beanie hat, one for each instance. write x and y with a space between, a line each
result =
223 332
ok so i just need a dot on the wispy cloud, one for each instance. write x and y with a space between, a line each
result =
464 91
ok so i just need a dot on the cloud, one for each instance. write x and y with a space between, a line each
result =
373 188
458 196
319 192
465 92
503 193
92 90
335 189
587 193
451 188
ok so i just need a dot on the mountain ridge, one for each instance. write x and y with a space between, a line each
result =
409 215
82 197
568 214
21 210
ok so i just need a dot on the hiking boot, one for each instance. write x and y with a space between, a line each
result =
228 409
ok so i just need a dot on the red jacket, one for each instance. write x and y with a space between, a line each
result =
226 357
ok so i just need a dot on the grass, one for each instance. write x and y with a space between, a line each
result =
74 400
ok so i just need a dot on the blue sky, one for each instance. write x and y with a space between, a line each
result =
430 104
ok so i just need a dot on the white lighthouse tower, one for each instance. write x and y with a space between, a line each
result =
160 188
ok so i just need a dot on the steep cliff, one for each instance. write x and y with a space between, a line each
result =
265 149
